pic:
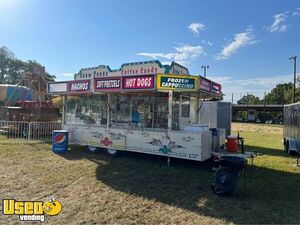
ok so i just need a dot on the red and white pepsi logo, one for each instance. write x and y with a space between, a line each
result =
59 139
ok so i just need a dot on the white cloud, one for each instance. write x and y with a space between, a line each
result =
196 28
64 76
240 40
183 54
256 86
207 42
296 12
279 21
67 74
166 62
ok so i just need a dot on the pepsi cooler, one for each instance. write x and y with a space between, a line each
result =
60 139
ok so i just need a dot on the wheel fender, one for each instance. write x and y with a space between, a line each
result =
291 145
91 148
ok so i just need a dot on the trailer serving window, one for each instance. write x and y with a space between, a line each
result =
139 110
86 109
160 106
120 106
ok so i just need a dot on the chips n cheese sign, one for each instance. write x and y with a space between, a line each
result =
138 82
216 88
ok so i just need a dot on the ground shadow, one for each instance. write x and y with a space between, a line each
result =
269 151
272 196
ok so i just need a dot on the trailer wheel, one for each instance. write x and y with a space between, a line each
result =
112 152
286 147
91 148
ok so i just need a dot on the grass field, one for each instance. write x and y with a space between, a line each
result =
134 188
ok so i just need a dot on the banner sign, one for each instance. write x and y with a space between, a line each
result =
204 84
215 88
79 86
57 87
145 82
174 82
107 84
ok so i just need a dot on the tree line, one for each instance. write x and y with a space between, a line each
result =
279 95
12 68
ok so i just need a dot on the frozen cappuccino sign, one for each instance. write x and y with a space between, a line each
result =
174 82
80 86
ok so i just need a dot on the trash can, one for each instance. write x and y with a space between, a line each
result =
232 143
227 173
60 139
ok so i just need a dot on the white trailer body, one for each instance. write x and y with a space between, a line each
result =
178 144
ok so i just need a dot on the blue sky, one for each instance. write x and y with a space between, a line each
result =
245 43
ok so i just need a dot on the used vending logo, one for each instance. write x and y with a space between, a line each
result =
31 210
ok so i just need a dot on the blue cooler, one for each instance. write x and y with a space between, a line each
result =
60 139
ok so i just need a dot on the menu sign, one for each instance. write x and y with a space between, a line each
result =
204 84
57 87
79 86
107 84
173 82
216 88
145 82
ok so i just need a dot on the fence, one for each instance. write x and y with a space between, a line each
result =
28 130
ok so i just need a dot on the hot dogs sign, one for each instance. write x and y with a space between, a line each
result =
138 82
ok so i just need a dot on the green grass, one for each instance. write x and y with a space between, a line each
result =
135 188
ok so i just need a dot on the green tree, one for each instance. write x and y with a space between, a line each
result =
30 64
6 59
282 94
15 70
11 69
250 100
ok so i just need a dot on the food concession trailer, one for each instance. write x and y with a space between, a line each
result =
154 113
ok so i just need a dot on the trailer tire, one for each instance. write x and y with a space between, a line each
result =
286 146
112 152
91 148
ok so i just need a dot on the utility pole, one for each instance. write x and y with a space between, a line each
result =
204 67
295 63
265 102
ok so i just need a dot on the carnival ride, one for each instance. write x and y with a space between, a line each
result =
19 104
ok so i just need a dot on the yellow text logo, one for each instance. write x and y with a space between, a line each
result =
31 210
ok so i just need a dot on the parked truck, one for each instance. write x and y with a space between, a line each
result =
291 128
